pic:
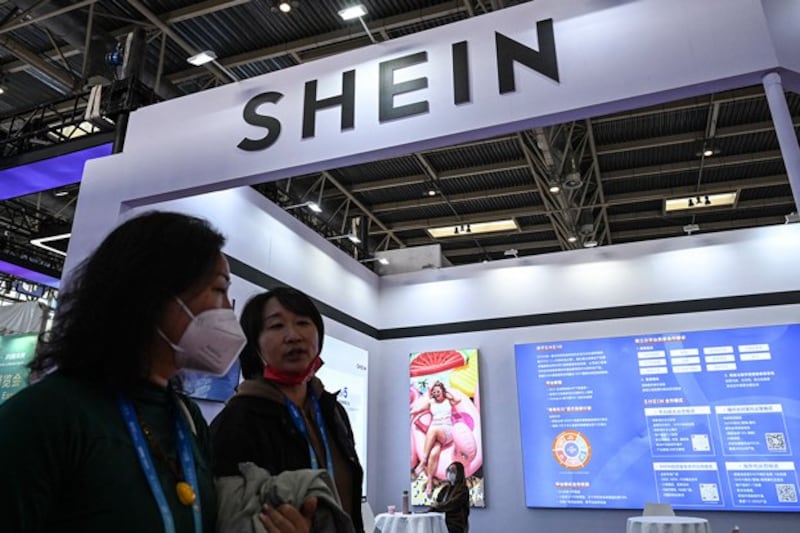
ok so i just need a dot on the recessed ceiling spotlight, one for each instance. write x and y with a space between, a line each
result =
284 6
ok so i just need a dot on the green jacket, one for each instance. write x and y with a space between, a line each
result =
67 461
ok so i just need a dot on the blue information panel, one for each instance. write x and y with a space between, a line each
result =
705 420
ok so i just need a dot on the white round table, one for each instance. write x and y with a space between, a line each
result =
667 524
410 523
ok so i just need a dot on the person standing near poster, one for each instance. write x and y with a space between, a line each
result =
103 442
282 418
453 499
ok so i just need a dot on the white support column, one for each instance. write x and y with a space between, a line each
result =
784 129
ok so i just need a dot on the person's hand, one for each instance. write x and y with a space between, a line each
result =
288 519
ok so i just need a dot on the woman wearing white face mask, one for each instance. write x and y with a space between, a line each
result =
104 442
453 499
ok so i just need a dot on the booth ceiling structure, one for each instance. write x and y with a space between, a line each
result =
594 182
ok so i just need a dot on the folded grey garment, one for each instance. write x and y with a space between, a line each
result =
240 499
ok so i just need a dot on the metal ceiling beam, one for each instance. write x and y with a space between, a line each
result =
59 76
755 91
689 137
602 224
171 17
220 73
199 9
671 231
16 24
416 179
690 166
367 212
327 39
434 201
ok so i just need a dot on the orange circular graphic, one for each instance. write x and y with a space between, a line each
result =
572 449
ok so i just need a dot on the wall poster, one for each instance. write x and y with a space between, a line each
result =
16 351
703 420
445 422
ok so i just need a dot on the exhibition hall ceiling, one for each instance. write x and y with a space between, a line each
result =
597 182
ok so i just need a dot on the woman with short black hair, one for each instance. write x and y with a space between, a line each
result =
281 417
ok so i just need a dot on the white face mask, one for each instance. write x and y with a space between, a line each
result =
211 342
451 477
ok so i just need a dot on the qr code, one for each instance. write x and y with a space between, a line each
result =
775 442
787 493
709 492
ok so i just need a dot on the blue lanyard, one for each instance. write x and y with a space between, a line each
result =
300 424
146 462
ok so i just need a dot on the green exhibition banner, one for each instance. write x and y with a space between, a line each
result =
16 351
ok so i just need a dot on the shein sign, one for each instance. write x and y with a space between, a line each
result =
507 53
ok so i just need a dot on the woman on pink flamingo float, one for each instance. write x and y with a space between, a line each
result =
440 432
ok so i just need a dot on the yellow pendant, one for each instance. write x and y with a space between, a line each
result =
185 492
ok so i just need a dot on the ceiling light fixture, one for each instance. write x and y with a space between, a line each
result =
61 193
572 238
285 6
382 260
474 228
353 12
690 203
431 193
206 56
591 243
41 242
554 188
311 205
708 152
357 12
351 236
